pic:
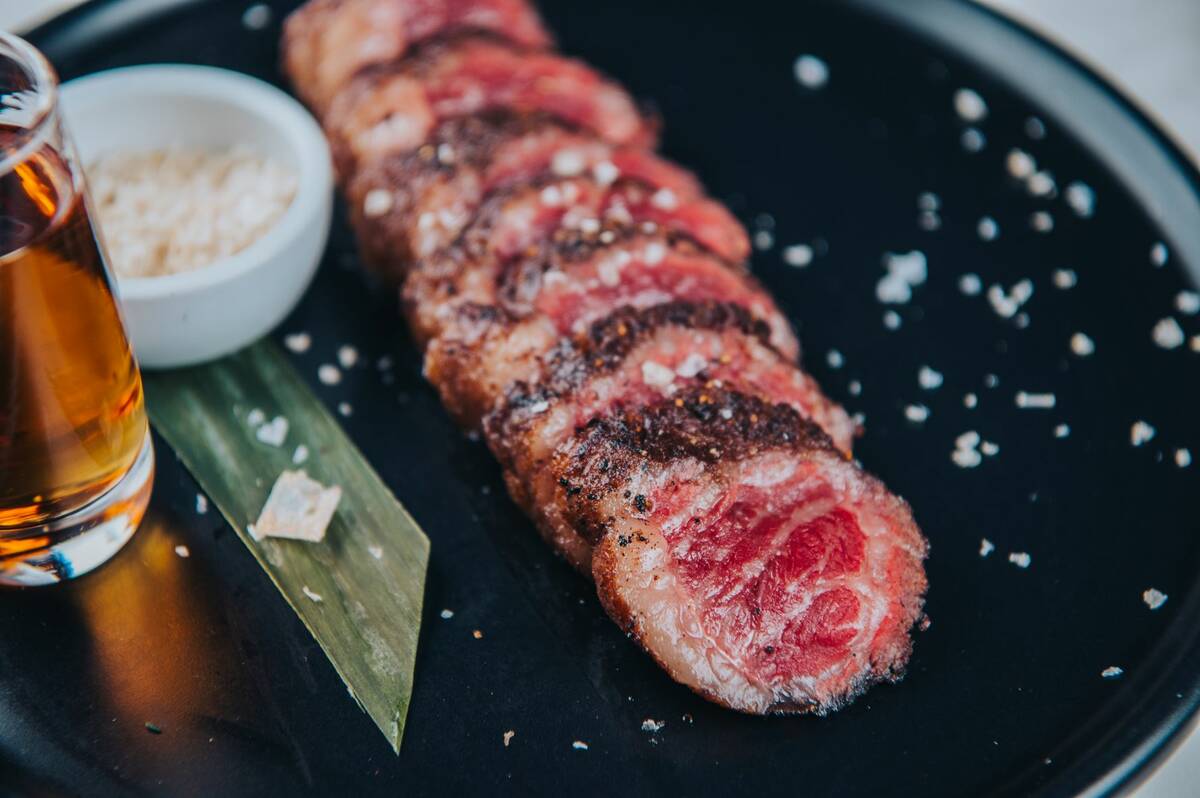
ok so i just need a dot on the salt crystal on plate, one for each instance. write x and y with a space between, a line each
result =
653 726
855 388
1112 672
1159 255
375 551
798 255
969 106
347 356
579 745
965 454
966 458
256 17
274 432
315 597
1187 303
1041 221
891 320
345 409
1035 401
988 448
970 401
328 374
904 272
1141 432
201 504
255 417
1041 184
929 379
810 71
1168 334
1082 345
835 359
1062 431
1154 598
300 455
298 342
1183 458
987 228
986 547
928 201
1020 164
1065 278
1020 559
970 284
507 737
1081 198
1007 303
916 413
183 551
1035 128
763 240
447 614
972 140
298 508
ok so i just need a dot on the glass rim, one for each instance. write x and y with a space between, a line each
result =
31 136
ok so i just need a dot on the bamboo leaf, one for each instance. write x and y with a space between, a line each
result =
369 572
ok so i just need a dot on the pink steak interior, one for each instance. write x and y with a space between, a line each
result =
777 574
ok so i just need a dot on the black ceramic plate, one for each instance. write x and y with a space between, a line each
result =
1004 694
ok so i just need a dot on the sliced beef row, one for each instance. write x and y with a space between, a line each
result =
584 300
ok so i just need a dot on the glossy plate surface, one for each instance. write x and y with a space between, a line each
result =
1005 693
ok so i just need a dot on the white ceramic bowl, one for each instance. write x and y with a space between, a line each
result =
191 317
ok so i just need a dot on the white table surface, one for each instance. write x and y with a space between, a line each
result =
1148 48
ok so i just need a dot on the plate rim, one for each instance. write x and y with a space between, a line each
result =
1152 722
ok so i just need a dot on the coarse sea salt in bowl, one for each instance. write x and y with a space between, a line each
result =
164 123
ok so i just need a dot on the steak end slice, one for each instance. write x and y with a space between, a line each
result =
754 562
326 42
473 355
394 108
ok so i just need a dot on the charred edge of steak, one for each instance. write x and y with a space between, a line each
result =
609 342
458 145
571 246
708 424
573 243
611 339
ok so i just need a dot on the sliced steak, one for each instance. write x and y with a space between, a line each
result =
523 217
473 314
631 359
411 205
752 560
326 42
394 108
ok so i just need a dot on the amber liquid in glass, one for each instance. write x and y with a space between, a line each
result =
71 415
